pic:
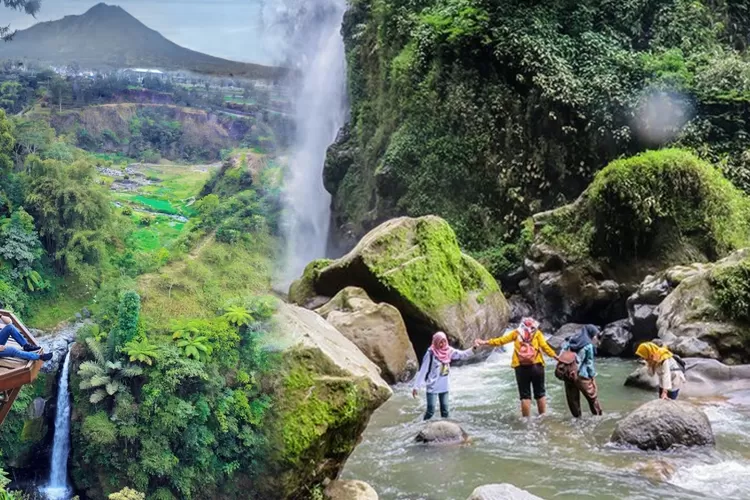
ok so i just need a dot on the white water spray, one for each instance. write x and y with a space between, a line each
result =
315 48
58 487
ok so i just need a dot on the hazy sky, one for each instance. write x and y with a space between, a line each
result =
224 28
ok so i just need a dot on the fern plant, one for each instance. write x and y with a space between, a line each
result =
192 344
105 378
238 316
141 351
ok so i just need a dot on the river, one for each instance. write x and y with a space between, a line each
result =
552 457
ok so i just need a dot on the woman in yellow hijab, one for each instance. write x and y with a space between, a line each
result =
661 362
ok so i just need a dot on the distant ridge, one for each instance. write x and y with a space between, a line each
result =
108 36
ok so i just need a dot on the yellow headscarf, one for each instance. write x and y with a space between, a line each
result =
650 351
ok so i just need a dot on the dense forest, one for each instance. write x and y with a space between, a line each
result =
486 112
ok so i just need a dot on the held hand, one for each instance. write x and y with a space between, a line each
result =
414 393
2 348
480 343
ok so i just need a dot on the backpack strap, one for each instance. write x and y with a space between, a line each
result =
429 367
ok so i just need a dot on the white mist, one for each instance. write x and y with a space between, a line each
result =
315 48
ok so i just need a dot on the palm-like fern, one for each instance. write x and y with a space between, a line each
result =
106 378
238 316
192 344
141 351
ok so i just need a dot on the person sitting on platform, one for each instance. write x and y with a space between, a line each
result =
9 330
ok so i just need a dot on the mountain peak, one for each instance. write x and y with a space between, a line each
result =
105 9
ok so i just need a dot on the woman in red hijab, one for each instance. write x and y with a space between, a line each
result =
435 371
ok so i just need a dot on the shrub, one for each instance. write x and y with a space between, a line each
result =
731 289
634 201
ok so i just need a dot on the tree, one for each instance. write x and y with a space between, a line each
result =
141 351
31 7
71 211
32 136
127 494
238 316
9 93
127 317
106 378
192 344
20 247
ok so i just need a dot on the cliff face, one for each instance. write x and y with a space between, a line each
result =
485 112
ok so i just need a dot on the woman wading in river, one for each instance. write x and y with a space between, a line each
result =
528 362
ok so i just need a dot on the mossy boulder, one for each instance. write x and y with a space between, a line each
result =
639 216
325 391
706 313
302 290
377 329
416 265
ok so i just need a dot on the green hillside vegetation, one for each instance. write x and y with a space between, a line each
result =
485 112
169 370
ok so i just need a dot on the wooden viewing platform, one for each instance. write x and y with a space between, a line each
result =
14 372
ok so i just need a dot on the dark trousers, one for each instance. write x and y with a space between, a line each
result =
587 387
443 397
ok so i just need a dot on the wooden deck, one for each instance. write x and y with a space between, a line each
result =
14 372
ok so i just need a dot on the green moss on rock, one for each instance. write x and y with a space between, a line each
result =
667 206
302 289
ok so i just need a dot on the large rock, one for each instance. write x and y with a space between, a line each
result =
692 324
442 432
662 423
325 390
377 329
350 490
501 492
563 290
616 339
302 290
417 266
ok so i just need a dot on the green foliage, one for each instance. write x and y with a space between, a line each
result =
192 343
731 290
127 494
487 112
106 378
238 316
127 318
71 212
141 351
634 201
99 429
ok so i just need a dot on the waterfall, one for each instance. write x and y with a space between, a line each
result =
58 488
308 33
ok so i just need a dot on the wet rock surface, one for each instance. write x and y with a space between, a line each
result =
501 492
661 424
442 432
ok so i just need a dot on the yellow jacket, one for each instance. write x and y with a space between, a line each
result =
538 342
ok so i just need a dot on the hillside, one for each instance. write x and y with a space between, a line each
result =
108 36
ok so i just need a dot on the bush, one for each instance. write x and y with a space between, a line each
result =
731 289
634 201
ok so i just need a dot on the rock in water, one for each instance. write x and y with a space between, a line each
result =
705 377
350 490
501 492
568 330
417 266
324 392
442 432
616 339
377 329
662 423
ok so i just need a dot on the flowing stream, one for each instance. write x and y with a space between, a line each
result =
555 457
58 487
315 48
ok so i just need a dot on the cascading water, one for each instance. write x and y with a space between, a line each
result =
308 34
58 487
